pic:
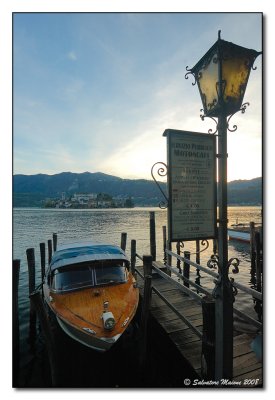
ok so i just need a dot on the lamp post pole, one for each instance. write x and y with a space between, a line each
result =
223 290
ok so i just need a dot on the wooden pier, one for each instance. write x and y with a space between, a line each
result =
246 368
186 312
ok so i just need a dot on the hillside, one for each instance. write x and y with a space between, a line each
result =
247 192
144 192
31 190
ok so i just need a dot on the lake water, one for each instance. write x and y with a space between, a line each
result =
33 226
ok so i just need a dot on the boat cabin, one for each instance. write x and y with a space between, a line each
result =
87 265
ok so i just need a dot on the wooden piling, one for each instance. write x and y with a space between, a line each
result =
54 241
258 261
186 267
178 261
208 338
153 235
198 256
36 300
252 247
133 256
42 259
50 251
31 270
123 241
164 236
147 265
169 257
15 324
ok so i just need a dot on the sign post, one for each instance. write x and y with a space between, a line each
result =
191 159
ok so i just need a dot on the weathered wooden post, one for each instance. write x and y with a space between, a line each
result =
123 241
178 252
258 267
169 257
42 259
186 267
252 247
50 251
36 301
15 324
54 241
31 270
198 256
164 236
153 235
208 338
258 263
147 265
133 256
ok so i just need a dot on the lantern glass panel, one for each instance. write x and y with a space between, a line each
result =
235 73
207 82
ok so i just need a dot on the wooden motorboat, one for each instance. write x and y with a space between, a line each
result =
237 234
242 232
91 291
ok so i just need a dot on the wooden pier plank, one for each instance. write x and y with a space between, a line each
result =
245 363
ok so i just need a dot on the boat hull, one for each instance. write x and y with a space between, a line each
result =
79 314
239 235
87 339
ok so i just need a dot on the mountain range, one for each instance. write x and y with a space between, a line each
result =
32 190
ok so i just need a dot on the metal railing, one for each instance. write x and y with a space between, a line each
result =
254 293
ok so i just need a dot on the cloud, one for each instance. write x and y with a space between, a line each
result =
72 56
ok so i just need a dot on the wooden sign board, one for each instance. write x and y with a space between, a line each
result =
191 162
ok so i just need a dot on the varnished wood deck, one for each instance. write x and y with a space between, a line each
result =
245 364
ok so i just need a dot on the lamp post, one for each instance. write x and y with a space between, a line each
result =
222 75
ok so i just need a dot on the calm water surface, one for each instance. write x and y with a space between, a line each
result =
33 226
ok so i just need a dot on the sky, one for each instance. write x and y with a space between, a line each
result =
95 91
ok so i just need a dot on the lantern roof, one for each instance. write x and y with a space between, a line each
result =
222 75
223 49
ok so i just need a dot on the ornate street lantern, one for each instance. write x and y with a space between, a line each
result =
222 75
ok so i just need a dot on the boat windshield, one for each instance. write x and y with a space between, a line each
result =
84 275
65 279
109 274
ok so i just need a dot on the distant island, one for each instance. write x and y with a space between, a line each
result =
99 190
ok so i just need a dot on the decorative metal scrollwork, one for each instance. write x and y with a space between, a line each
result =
190 73
234 128
234 289
213 261
254 68
223 275
203 243
233 262
242 109
210 131
161 171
